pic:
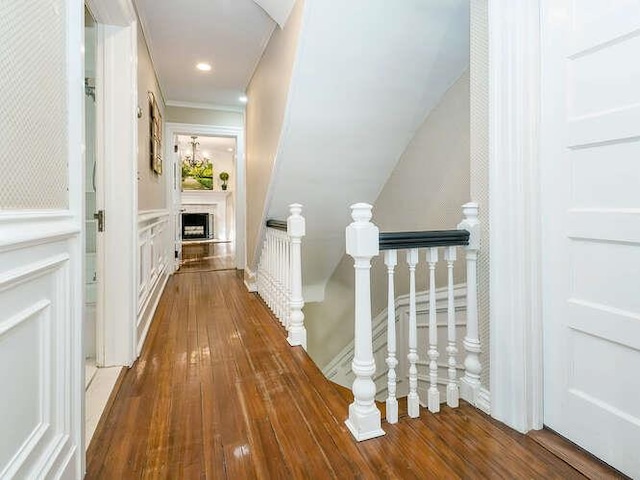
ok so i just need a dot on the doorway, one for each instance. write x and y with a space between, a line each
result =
99 379
91 199
208 197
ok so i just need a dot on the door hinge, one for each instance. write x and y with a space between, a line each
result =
99 215
175 254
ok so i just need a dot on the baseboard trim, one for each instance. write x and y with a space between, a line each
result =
583 461
250 280
484 401
149 310
107 408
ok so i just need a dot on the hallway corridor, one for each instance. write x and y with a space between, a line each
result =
218 393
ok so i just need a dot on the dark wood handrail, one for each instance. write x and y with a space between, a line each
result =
277 224
433 238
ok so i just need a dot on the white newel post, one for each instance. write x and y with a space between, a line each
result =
362 239
470 383
296 230
391 260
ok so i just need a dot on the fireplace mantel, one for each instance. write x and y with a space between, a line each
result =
212 202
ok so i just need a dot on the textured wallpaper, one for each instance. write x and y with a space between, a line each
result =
479 87
33 105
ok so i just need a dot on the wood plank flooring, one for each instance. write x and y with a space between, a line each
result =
219 394
207 256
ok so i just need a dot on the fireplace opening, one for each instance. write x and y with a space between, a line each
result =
195 226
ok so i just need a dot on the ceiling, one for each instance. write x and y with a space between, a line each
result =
228 34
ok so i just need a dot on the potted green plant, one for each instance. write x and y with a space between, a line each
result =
224 176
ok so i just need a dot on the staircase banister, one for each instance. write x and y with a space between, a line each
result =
424 239
277 224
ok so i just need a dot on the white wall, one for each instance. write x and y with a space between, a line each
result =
267 91
203 116
424 192
151 187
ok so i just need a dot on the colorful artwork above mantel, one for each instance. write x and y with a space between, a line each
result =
198 176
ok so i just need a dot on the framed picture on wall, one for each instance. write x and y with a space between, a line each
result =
155 135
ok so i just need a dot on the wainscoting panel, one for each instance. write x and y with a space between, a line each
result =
39 355
154 247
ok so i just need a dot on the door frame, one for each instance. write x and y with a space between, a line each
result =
515 101
116 155
173 129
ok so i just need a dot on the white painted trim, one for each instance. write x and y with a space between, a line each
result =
116 151
31 228
484 400
17 276
172 129
205 106
150 309
146 215
514 117
155 241
250 280
74 275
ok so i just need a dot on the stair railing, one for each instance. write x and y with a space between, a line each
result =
279 277
363 242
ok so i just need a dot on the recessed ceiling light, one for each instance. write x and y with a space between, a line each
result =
203 67
243 99
229 149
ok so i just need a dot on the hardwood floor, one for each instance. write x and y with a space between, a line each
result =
578 458
207 256
219 394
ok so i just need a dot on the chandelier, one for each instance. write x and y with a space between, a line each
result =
195 159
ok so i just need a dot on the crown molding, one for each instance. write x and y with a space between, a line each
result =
205 106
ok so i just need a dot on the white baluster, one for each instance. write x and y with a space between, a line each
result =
434 395
296 230
265 270
259 272
413 401
287 282
362 238
284 306
271 268
268 269
391 260
279 256
470 383
452 351
260 276
280 277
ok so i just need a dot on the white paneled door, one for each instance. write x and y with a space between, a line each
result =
591 225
